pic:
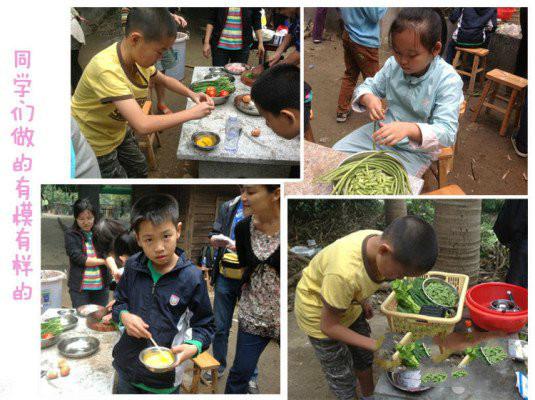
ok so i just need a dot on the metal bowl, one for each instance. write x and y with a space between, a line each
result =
67 321
443 282
246 66
393 378
78 346
220 99
247 108
198 135
217 74
67 311
152 350
85 310
50 342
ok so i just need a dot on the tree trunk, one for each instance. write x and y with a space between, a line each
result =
92 193
458 227
394 209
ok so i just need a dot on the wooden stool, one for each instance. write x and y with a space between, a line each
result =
518 86
479 55
449 190
203 362
146 142
445 158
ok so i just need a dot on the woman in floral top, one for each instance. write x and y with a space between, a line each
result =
258 247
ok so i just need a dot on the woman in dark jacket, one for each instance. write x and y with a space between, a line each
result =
229 34
88 275
258 247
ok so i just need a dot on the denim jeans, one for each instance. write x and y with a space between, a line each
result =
221 57
225 299
248 350
100 297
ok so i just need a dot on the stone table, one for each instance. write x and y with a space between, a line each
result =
266 156
482 382
91 375
318 161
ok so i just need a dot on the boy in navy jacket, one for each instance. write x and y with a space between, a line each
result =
160 295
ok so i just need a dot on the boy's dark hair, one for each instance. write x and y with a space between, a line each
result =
156 208
414 243
428 23
125 245
105 231
154 23
277 89
79 207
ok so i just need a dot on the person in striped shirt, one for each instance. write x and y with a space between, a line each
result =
88 274
229 35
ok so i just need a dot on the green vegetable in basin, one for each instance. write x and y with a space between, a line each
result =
221 83
441 294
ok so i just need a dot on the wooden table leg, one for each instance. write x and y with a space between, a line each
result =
508 111
481 100
492 96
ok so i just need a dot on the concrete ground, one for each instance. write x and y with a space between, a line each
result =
485 163
305 377
53 257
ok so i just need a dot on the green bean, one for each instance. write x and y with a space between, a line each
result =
376 173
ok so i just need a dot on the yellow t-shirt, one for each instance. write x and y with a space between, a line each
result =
337 273
105 80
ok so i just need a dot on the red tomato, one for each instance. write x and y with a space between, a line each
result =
211 91
223 93
47 336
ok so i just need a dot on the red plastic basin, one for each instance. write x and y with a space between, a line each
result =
479 297
505 13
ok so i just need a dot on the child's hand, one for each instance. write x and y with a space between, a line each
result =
201 110
368 310
109 306
202 98
180 21
184 352
392 133
374 106
135 326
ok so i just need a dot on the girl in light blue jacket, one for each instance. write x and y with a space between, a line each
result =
424 95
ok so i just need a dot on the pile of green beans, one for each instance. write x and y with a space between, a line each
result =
376 174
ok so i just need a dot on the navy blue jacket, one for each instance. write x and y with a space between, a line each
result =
161 306
473 24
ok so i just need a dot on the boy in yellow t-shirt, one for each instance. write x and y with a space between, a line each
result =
114 87
331 298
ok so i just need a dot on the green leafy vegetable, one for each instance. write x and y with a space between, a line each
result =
441 294
405 301
431 377
406 355
221 83
494 355
461 373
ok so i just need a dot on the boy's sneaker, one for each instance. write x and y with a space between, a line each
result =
342 116
207 376
517 149
253 387
317 41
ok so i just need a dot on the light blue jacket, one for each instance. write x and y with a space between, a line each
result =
362 24
432 101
